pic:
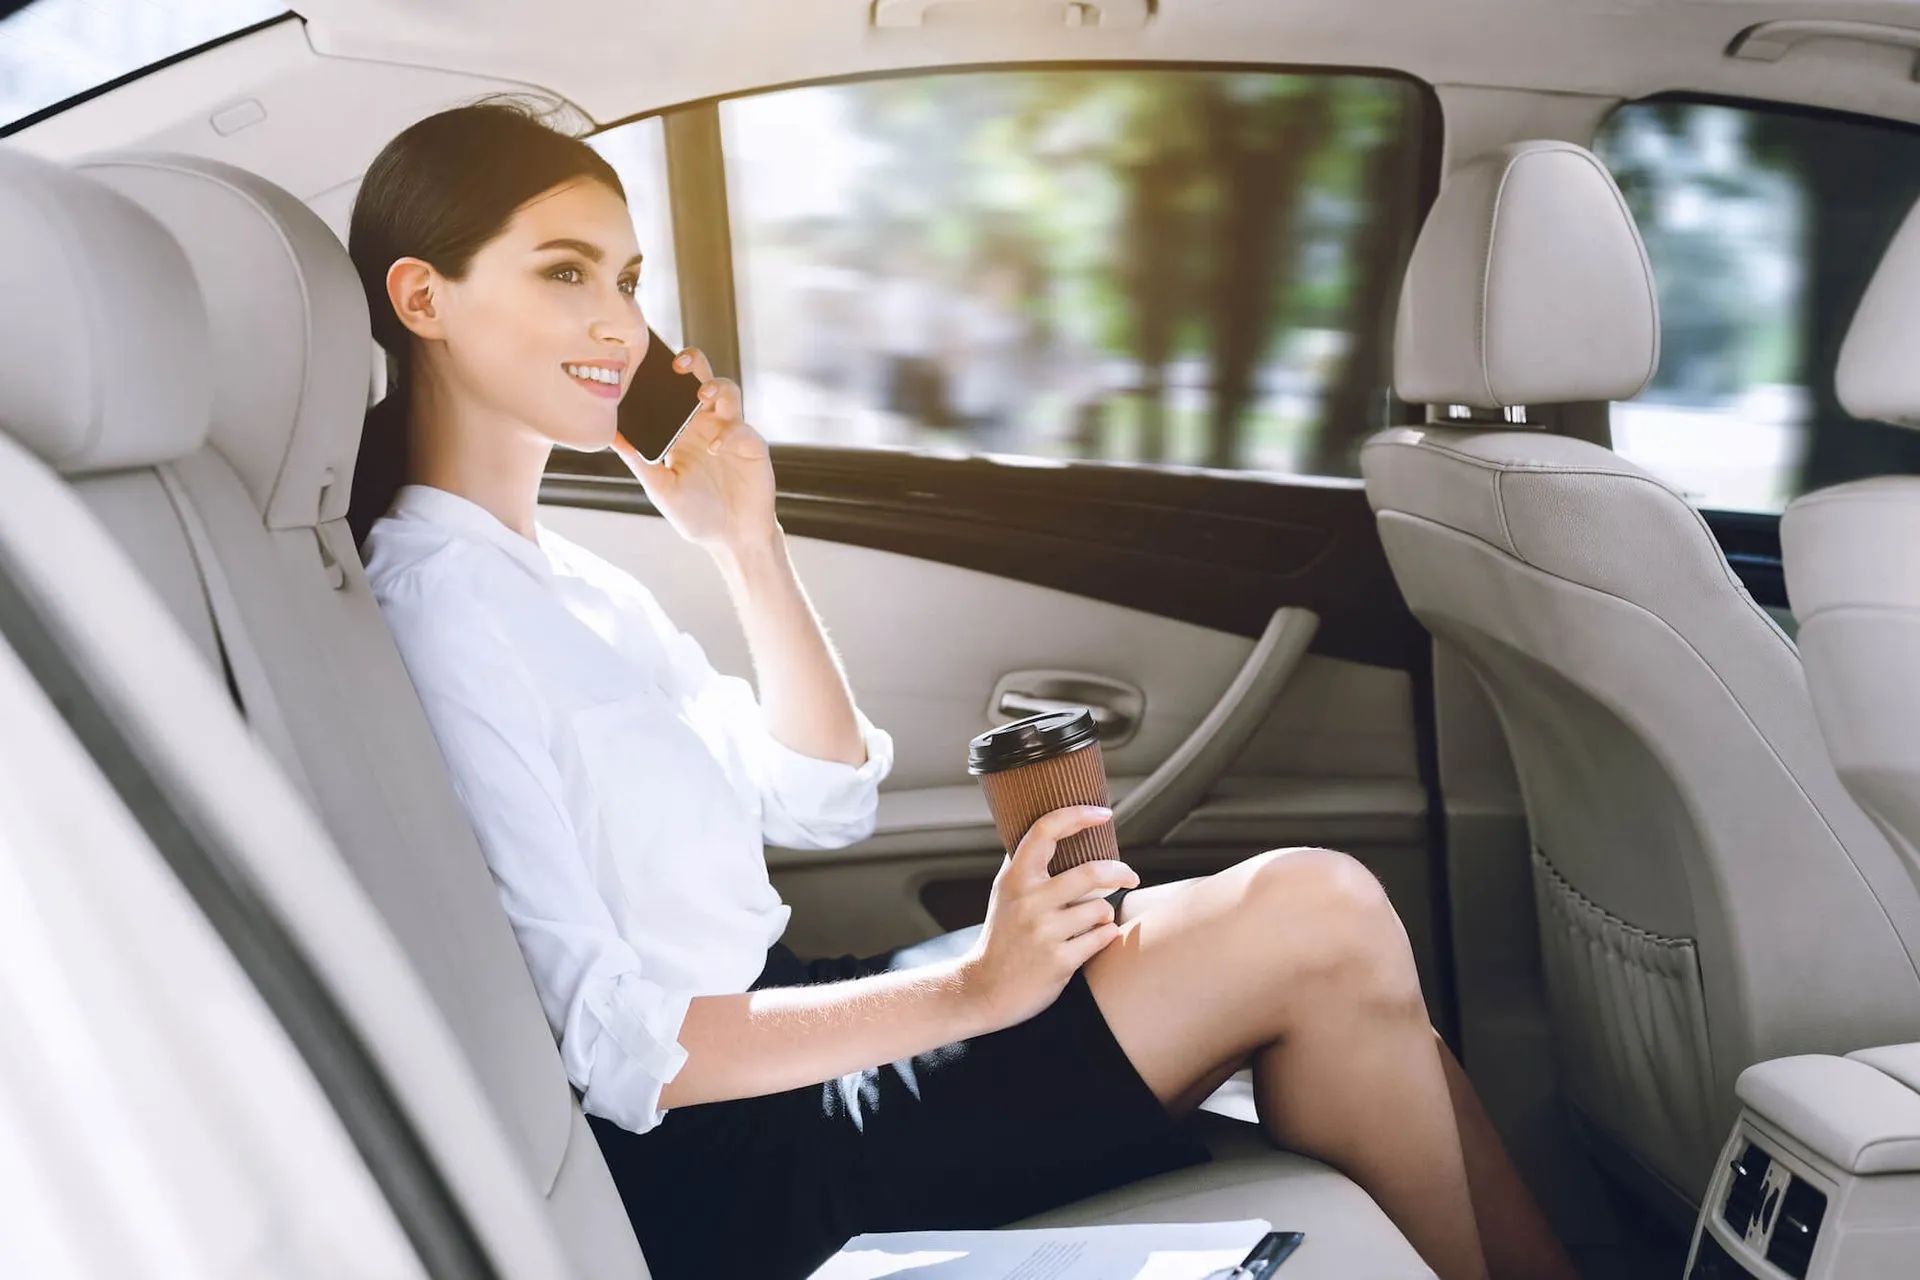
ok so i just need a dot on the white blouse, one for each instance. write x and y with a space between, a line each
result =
620 787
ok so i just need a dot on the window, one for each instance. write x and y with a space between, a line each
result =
1155 266
1763 227
52 50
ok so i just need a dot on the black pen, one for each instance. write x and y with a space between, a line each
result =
1274 1248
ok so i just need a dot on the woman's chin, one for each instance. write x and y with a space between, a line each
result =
584 440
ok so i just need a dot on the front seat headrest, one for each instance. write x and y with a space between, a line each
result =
1528 286
1878 376
104 351
289 326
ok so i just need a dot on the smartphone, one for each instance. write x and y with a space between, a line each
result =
659 403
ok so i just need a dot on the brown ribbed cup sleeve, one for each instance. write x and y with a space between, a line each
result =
1019 796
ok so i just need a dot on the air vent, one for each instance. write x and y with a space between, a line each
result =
1796 1228
1743 1193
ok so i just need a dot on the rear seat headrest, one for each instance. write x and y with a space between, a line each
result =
1878 376
289 326
103 340
1528 285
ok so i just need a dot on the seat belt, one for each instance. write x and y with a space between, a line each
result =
246 676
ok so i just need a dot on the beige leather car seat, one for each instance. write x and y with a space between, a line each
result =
243 536
1707 894
1853 568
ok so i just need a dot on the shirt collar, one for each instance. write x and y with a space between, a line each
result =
463 515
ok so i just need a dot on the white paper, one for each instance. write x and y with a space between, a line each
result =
1130 1251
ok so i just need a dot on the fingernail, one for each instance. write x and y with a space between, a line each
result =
1101 809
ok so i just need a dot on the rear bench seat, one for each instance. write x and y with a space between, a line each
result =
244 537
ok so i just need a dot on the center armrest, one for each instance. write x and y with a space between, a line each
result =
1860 1112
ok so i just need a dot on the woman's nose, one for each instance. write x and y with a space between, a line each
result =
622 331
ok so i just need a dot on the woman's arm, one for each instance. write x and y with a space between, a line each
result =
780 1038
803 692
1039 929
715 487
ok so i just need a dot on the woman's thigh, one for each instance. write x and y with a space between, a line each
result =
1195 981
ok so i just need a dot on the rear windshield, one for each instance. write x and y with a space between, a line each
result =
53 50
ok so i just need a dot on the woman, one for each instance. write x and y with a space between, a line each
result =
622 792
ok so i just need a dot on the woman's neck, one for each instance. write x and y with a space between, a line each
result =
492 461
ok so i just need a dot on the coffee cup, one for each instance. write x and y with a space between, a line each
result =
1040 763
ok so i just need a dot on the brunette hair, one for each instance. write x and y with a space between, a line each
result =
438 192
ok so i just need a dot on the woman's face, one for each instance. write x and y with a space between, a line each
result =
545 329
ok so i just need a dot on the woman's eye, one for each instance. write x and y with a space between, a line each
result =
630 285
566 271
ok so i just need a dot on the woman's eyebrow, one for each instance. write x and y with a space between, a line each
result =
591 252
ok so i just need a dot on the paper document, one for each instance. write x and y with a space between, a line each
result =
1130 1251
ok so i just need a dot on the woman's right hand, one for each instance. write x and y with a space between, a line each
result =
1037 930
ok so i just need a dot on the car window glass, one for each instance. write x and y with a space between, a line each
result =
1763 227
1145 266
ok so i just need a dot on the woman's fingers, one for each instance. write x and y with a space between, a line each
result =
1101 876
721 401
1076 920
694 361
1035 850
1091 943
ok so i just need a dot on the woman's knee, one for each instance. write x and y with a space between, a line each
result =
1333 927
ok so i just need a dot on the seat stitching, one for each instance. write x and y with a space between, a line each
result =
1500 505
1646 268
1548 468
1486 282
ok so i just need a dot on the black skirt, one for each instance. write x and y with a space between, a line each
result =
977 1133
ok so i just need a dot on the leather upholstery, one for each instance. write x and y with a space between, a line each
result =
76 387
286 326
1528 285
1695 854
326 694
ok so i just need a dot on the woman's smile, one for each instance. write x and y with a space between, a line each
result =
603 378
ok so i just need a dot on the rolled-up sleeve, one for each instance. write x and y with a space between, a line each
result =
617 1029
805 802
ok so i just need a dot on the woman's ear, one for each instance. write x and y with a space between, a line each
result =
411 287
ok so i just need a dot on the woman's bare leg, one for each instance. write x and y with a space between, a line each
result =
1513 1230
1296 958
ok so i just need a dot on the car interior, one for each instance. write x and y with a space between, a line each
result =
1421 388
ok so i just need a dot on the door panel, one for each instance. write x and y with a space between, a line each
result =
925 668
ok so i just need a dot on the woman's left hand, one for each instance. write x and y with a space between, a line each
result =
715 485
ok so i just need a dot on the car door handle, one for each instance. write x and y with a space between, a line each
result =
1107 722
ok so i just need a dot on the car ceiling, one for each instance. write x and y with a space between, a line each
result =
619 58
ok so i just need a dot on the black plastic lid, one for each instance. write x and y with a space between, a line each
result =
1037 737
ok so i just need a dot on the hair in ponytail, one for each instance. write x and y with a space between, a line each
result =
438 192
